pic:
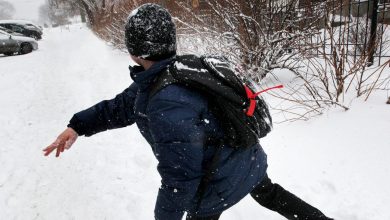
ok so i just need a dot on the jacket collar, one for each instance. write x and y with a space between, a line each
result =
144 77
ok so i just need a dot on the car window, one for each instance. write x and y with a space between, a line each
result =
16 28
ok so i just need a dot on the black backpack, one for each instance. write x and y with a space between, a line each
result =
244 116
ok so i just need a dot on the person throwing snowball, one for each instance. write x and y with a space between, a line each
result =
201 173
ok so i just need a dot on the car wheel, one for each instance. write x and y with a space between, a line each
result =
26 48
9 54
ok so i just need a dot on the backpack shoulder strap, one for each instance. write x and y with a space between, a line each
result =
163 80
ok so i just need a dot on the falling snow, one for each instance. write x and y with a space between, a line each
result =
340 157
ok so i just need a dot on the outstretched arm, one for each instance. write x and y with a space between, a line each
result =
108 114
105 115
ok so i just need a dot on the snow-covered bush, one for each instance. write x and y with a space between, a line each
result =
263 37
336 74
256 35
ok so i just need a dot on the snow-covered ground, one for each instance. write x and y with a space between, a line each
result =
338 162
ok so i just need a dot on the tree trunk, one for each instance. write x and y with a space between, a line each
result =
82 15
89 12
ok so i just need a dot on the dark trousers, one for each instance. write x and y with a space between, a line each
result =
274 197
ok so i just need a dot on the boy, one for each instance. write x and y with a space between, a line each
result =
183 132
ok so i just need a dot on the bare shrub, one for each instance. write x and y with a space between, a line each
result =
263 37
257 35
111 27
334 76
60 12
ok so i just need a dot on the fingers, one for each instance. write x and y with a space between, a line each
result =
58 144
49 149
58 151
64 141
53 145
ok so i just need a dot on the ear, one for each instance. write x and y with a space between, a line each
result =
137 60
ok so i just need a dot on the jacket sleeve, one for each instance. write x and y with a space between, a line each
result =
178 132
108 114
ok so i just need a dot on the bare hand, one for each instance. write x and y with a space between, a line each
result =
64 141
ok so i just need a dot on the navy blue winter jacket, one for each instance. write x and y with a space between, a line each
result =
181 130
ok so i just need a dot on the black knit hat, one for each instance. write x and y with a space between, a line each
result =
150 33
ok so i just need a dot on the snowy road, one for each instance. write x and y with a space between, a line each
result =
338 162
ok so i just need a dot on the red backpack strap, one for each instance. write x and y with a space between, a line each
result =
251 96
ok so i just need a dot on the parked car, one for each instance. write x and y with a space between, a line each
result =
11 44
10 31
23 27
22 22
